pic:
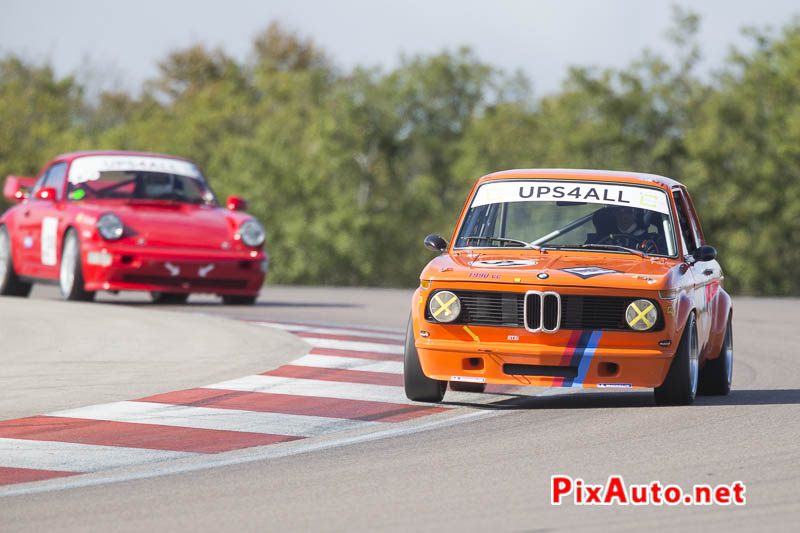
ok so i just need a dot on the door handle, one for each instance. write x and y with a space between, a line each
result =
708 272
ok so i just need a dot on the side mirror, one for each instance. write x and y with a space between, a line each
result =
435 243
234 203
705 253
46 193
13 189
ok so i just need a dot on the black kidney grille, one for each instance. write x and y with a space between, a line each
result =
484 308
506 309
598 312
534 310
550 319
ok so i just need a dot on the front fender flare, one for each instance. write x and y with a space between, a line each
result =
721 307
684 306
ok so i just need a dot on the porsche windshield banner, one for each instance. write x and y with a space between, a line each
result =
569 191
89 168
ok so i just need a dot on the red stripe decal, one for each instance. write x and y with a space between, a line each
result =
130 435
557 382
9 476
335 374
349 338
294 405
570 348
359 355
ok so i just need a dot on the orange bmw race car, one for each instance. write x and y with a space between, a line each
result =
572 278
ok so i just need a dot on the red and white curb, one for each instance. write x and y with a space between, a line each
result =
351 380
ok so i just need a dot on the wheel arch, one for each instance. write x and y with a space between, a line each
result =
69 227
415 311
685 307
11 250
721 310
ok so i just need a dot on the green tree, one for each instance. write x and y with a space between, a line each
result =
745 157
39 115
350 170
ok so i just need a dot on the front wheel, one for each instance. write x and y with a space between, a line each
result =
680 385
419 387
10 284
717 373
70 278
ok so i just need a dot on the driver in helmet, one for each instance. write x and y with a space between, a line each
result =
627 221
632 230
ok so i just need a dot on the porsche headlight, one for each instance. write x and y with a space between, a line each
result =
252 233
444 306
110 226
641 315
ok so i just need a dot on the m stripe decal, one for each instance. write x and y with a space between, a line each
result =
588 352
572 344
580 355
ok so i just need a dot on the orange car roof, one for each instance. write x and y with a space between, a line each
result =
583 174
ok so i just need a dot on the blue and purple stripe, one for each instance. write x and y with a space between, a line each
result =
578 353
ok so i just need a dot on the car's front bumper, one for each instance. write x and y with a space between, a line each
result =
114 268
564 359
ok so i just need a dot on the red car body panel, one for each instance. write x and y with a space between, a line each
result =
166 247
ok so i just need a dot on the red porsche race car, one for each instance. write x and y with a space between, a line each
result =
116 220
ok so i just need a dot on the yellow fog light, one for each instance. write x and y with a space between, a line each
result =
641 315
444 306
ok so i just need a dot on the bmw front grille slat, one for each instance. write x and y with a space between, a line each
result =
544 311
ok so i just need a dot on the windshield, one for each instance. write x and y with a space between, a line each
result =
142 178
569 214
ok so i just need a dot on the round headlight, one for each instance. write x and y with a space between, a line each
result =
641 315
444 306
110 226
252 233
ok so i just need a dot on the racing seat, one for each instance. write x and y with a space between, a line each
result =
605 224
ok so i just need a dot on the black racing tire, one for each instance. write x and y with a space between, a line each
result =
70 272
680 385
715 378
230 299
466 386
10 284
168 298
419 387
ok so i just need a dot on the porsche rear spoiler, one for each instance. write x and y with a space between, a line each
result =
16 187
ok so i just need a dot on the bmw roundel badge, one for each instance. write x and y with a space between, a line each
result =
543 275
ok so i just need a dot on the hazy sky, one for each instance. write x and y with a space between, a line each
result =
124 40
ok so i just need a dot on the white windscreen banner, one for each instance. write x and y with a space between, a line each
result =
497 192
89 168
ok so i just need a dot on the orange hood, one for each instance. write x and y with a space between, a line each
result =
555 267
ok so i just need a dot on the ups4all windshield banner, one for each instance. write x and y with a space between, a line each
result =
570 191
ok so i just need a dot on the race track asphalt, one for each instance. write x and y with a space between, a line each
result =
484 466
